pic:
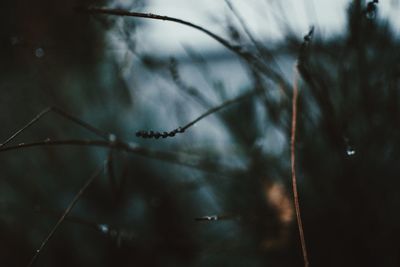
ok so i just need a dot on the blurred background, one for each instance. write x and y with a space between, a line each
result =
233 206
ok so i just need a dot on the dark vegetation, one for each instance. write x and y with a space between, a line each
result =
84 184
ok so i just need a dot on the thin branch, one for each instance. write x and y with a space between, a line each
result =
153 134
65 214
82 123
63 114
253 61
73 219
26 126
293 167
217 108
189 90
172 157
121 12
260 48
301 58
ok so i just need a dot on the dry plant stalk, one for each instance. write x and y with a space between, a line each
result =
293 166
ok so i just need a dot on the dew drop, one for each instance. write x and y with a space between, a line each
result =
39 52
112 138
350 151
208 218
213 218
103 228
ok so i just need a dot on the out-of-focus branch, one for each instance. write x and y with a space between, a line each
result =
260 48
62 113
253 61
172 157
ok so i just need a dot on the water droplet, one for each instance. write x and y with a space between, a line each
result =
212 218
112 138
21 144
104 228
39 52
47 140
350 151
208 218
38 250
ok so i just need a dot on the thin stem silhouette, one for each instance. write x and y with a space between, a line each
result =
179 158
262 50
253 61
217 108
152 134
121 12
65 214
62 113
293 167
26 126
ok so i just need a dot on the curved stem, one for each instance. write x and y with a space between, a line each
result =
253 61
172 157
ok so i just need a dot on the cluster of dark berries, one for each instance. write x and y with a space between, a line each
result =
156 135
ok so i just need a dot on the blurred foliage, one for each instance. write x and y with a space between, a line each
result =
163 214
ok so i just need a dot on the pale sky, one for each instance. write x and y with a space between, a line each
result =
264 18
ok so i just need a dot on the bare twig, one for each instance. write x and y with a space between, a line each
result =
65 214
72 219
260 48
30 123
301 58
152 134
63 114
80 122
293 167
172 157
217 108
189 90
121 12
253 61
